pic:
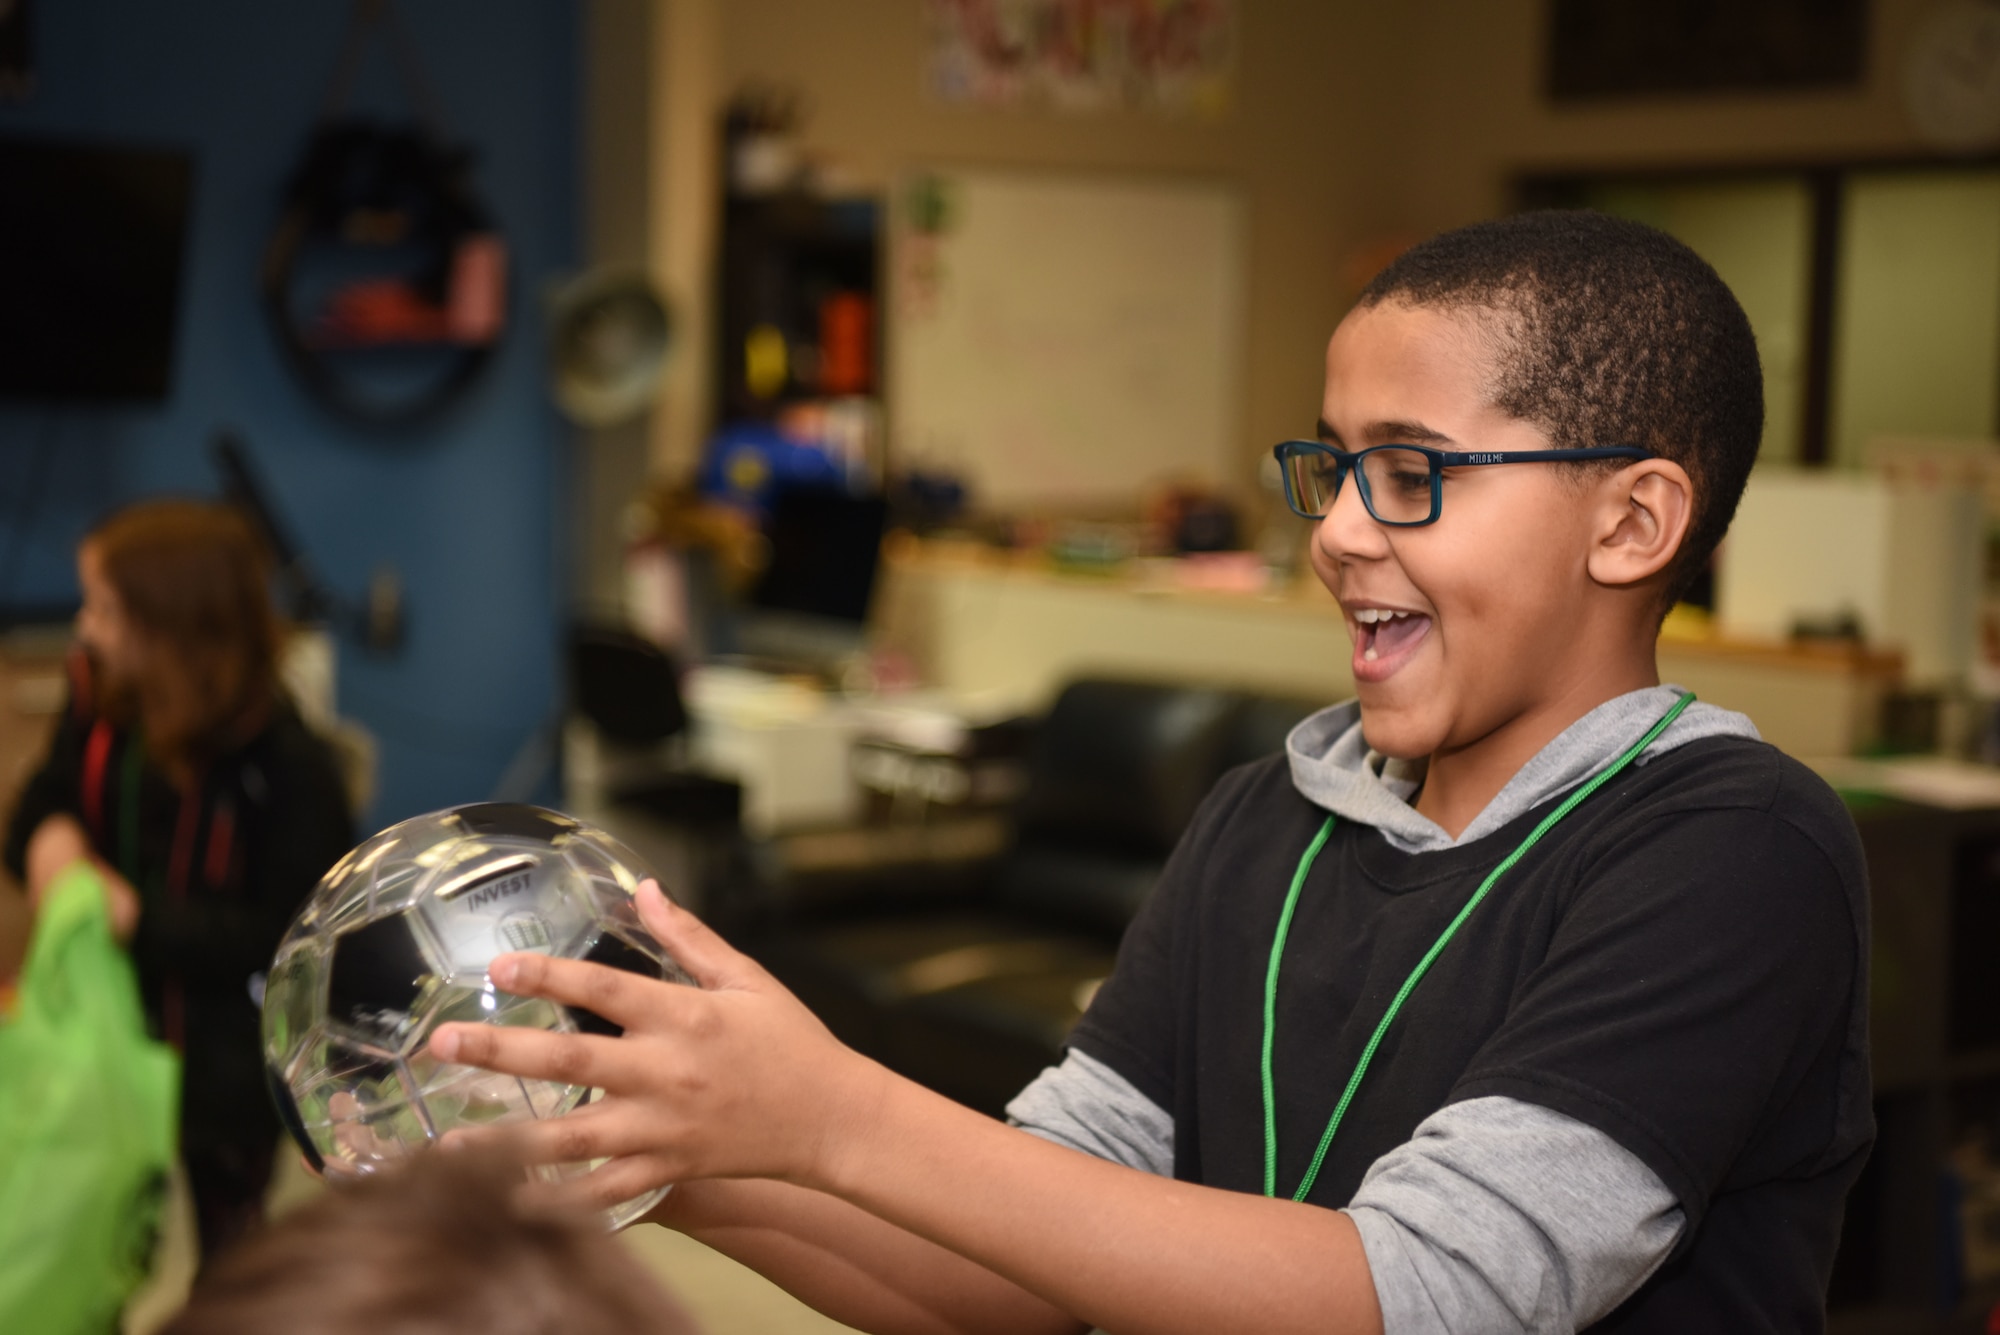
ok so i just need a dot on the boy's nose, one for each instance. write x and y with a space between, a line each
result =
1348 530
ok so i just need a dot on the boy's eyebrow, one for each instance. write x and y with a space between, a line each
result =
1385 433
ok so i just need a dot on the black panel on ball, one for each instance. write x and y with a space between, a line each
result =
514 818
378 970
618 954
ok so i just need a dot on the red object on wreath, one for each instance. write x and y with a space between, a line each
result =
382 312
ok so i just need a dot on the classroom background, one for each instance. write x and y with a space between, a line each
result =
828 442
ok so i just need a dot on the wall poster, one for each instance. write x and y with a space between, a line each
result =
1084 55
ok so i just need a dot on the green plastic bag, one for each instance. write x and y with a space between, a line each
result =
87 1124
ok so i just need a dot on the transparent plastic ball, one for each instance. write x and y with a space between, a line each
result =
396 941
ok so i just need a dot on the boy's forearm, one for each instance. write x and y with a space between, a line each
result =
1113 1246
935 1220
852 1266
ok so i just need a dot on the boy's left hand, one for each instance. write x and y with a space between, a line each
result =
733 1079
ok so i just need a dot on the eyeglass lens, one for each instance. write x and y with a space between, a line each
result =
1396 486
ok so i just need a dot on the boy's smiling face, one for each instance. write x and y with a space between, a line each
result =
1462 626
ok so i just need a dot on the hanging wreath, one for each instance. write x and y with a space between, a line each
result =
385 279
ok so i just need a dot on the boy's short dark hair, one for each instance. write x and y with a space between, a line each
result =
1617 335
442 1244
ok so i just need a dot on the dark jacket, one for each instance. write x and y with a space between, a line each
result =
220 870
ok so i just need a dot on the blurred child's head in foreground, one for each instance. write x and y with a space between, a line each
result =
443 1244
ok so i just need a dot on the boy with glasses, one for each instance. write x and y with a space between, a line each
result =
1523 993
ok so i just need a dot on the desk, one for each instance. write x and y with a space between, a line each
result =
1807 700
996 635
997 627
1002 628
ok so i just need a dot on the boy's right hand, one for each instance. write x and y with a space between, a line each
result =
735 1078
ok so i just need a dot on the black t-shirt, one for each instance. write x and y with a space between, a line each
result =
1681 963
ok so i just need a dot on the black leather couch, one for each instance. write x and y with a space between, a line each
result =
970 984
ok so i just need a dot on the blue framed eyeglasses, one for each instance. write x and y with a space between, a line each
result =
1402 485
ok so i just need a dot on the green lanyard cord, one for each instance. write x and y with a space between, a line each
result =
1312 852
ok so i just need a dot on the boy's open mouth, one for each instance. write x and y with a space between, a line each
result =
1382 637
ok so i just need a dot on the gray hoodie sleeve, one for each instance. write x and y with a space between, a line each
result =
1499 1215
1087 1106
1496 1215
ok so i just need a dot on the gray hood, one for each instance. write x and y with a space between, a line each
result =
1334 768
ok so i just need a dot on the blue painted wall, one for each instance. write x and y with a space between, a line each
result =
468 510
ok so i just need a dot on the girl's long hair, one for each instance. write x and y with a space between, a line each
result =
194 582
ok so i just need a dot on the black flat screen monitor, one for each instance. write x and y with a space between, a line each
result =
810 608
825 547
91 238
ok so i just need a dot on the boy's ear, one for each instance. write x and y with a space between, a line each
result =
1647 508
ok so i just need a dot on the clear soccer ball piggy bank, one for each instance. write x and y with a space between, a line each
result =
396 941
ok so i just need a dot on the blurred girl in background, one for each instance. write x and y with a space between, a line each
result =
181 769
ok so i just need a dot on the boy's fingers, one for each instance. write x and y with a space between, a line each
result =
615 994
594 1131
607 1185
530 1141
622 1179
571 1059
691 942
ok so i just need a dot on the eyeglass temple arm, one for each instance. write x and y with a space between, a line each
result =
1279 451
1633 452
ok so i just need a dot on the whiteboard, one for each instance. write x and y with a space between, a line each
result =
1063 340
